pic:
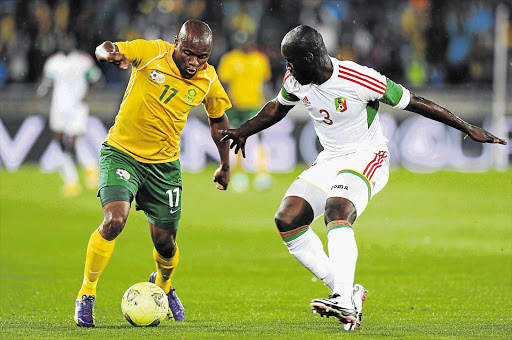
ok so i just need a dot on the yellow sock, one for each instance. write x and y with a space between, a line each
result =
239 168
165 269
261 160
99 251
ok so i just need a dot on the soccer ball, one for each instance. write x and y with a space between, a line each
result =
144 304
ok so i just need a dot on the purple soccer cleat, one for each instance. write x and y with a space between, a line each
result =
178 312
84 311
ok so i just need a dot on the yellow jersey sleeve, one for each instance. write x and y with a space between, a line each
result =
216 101
158 100
139 52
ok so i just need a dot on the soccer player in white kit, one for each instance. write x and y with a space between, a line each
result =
73 75
342 99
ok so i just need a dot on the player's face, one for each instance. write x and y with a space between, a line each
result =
300 69
67 44
190 56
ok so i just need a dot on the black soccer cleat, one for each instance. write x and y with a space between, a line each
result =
332 307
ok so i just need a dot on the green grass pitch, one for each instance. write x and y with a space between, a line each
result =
435 252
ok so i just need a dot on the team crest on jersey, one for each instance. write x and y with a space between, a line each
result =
190 96
123 174
156 77
340 104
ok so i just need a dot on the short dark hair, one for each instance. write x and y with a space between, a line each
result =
303 39
197 30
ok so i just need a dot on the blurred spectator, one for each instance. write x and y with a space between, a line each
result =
244 72
414 25
7 42
72 75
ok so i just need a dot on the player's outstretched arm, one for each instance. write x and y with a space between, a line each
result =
43 88
436 112
271 113
108 52
223 173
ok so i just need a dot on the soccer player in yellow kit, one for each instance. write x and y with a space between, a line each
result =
140 157
235 68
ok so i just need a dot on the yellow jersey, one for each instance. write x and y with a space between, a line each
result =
245 74
158 100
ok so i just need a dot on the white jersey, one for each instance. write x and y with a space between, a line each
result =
344 109
70 75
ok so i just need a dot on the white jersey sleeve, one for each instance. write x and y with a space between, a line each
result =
374 86
93 73
286 96
50 67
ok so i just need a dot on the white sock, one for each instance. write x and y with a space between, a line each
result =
309 251
68 169
343 256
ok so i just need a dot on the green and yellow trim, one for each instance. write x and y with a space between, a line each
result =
291 235
360 175
338 224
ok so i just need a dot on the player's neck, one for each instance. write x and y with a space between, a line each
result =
324 71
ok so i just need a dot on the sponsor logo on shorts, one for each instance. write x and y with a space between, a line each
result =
123 174
174 210
339 186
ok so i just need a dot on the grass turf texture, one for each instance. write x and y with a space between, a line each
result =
435 252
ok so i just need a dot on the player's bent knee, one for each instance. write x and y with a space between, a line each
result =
285 220
112 226
165 246
339 208
281 223
166 250
289 219
115 216
164 240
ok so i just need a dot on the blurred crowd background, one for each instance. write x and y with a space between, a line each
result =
416 42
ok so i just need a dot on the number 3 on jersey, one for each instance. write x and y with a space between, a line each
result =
327 118
173 90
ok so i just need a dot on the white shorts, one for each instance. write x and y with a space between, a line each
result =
71 121
357 177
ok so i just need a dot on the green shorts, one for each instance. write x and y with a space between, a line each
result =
156 187
238 117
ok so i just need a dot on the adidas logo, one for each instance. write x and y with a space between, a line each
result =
306 101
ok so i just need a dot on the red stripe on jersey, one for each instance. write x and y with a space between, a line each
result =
286 76
370 81
357 82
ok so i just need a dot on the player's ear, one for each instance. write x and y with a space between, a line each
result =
309 57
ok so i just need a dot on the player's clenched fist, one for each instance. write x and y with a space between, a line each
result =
108 52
